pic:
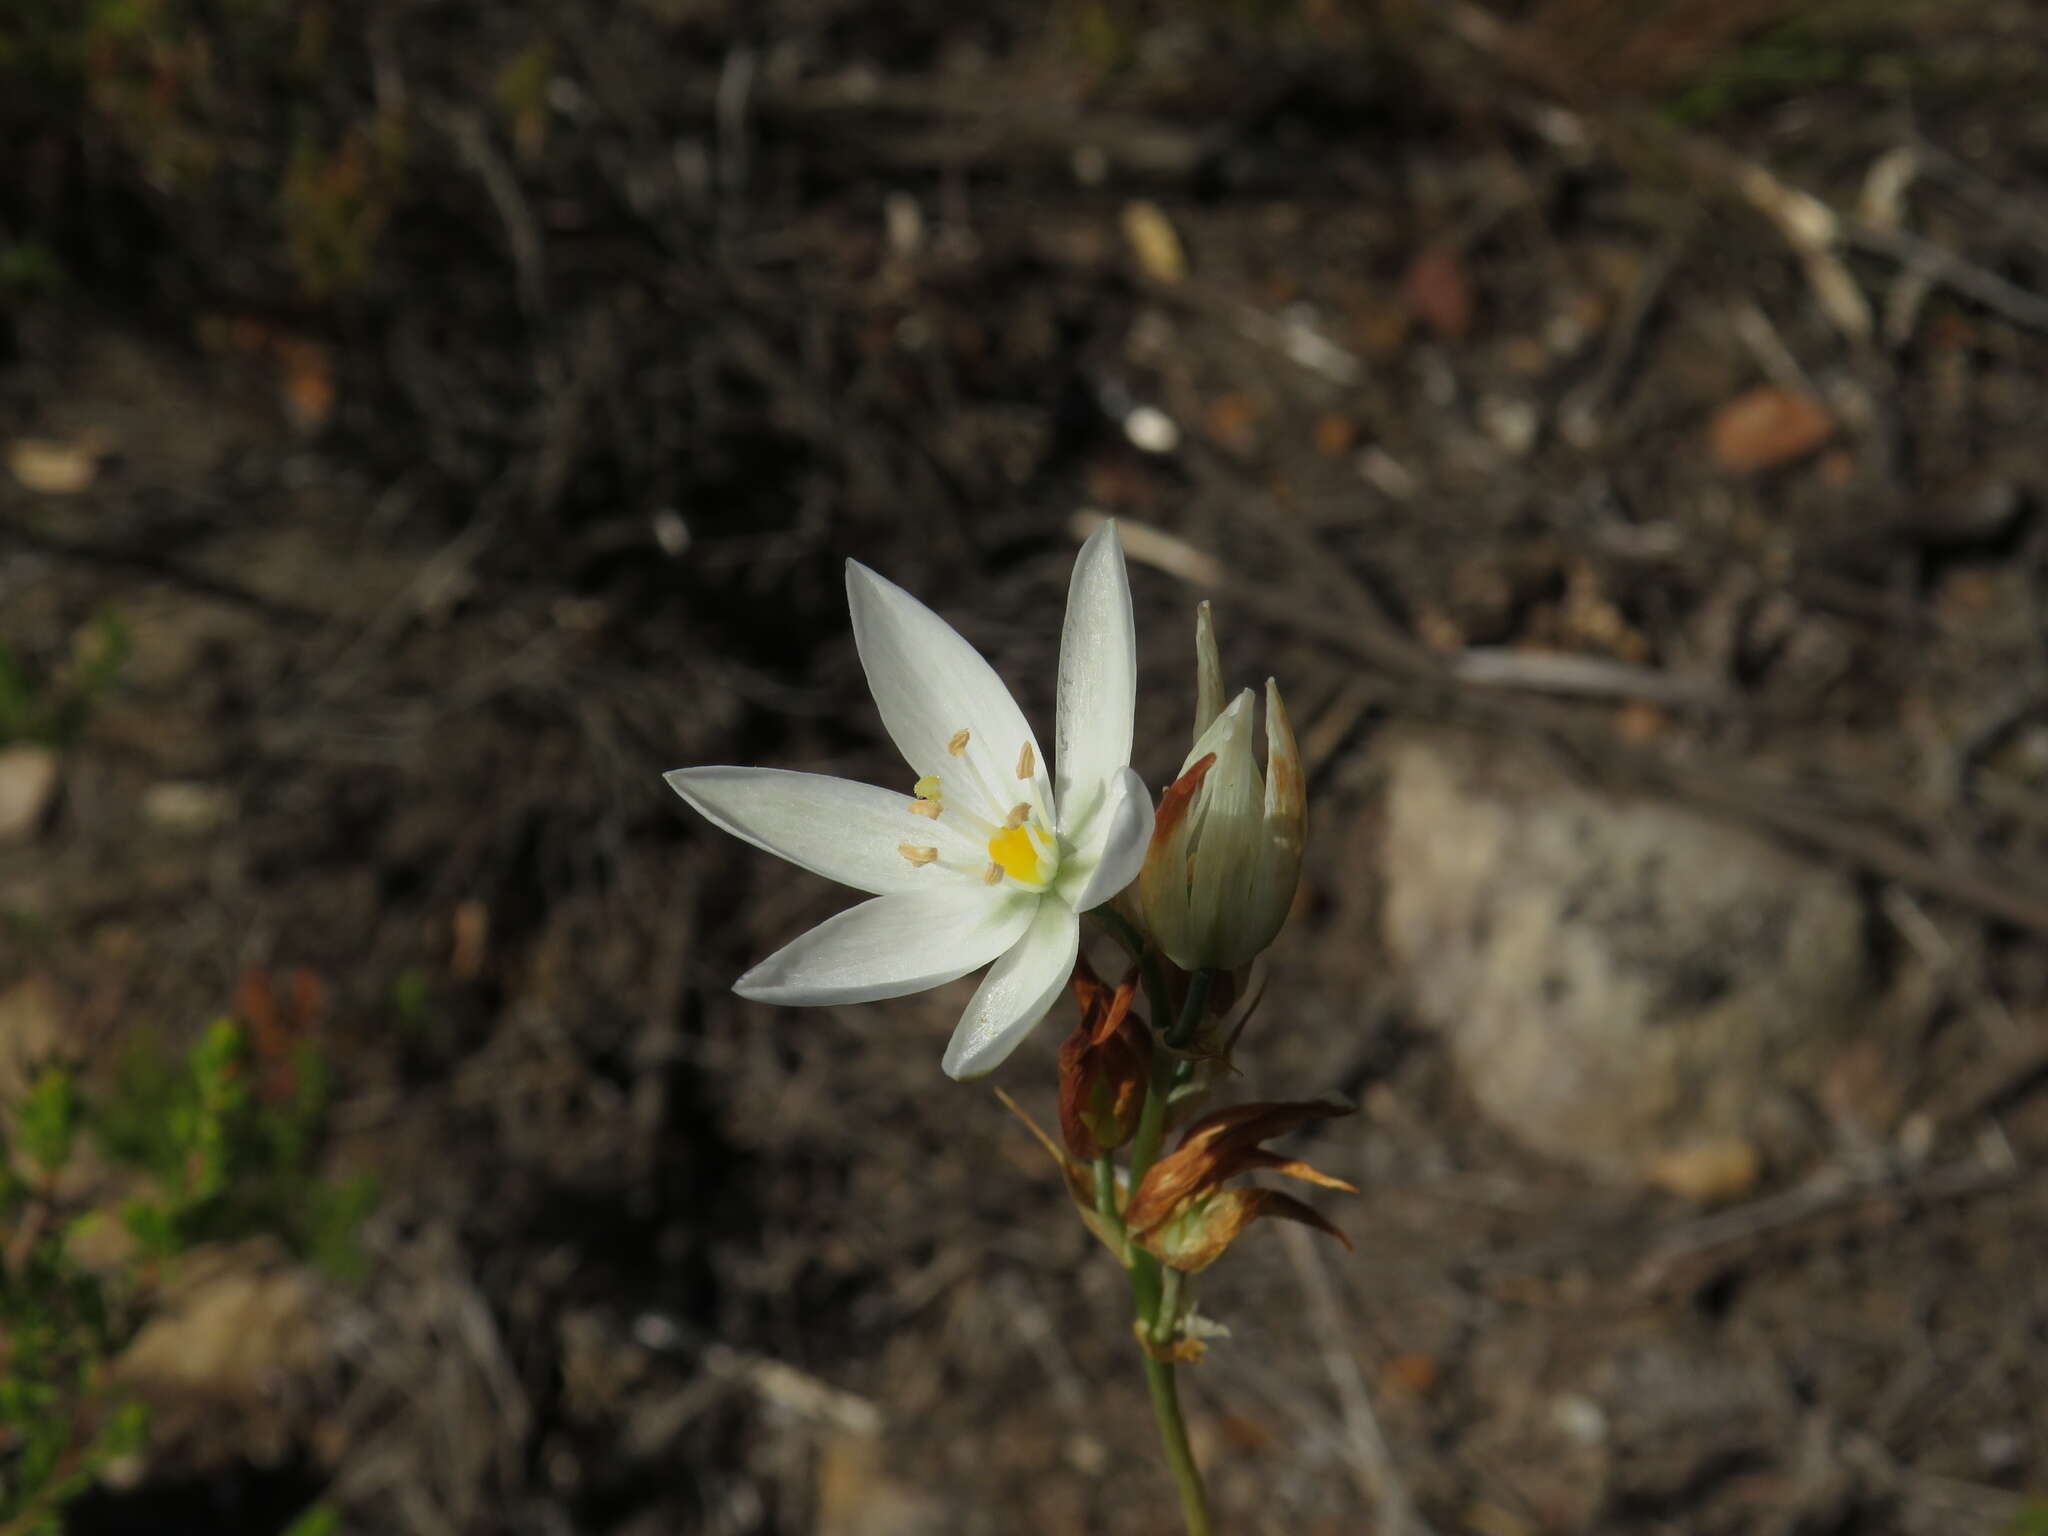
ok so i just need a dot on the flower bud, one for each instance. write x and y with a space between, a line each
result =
1226 844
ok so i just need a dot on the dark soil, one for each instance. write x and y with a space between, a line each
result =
486 399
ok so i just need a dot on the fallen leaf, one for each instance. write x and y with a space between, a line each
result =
472 937
1411 1375
1639 722
1438 630
308 369
1437 289
1242 1432
52 467
1154 242
1766 427
1722 1168
1234 422
186 807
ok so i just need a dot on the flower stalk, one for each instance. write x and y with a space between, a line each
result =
1156 1303
991 860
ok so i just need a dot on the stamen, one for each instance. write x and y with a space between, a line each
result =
1026 761
1019 814
917 855
925 808
927 788
992 875
958 744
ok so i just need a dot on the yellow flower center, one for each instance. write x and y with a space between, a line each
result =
1013 849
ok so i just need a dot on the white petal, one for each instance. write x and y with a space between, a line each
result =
1114 845
930 685
892 946
833 827
1017 992
1098 667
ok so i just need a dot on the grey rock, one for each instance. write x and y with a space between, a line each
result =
1618 979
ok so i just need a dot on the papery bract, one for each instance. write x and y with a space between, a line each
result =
1180 1211
1105 1067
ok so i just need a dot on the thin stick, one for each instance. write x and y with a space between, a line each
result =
1372 1463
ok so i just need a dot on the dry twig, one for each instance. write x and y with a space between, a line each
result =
1372 1462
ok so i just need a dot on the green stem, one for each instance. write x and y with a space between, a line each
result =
1155 1298
1169 1074
1173 1434
1191 1011
1155 1291
1168 1314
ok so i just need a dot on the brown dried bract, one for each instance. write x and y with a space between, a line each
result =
1180 1211
1105 1067
1196 1239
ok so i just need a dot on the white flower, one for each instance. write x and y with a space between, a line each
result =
992 857
1226 849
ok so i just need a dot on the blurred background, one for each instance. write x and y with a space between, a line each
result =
1618 426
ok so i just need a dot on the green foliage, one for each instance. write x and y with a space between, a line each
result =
337 200
1827 43
413 999
53 708
165 85
2030 1521
1787 58
48 1117
320 1520
221 1145
229 1160
521 92
29 267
